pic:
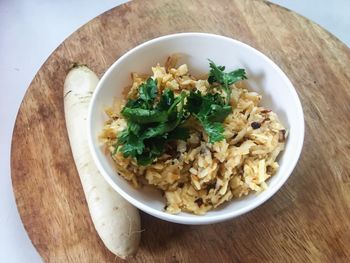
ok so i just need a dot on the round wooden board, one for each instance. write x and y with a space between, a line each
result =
306 221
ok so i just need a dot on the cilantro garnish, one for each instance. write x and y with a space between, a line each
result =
217 75
210 110
155 119
151 124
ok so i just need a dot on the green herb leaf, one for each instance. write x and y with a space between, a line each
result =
152 124
134 127
179 100
208 101
133 146
148 90
214 130
160 129
166 100
138 103
209 110
217 74
149 125
154 147
144 159
194 102
143 116
123 136
179 133
219 113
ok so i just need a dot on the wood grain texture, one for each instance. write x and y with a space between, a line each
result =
308 220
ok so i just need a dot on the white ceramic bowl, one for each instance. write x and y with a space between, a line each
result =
264 76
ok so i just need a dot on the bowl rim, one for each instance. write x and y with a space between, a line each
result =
207 218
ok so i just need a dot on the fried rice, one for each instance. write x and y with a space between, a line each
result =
194 175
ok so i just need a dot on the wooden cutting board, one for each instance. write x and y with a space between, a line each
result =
308 220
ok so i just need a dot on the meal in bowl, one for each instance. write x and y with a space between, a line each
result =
201 141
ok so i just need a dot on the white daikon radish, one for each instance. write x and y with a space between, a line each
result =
116 221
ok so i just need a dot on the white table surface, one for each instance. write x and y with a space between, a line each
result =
29 32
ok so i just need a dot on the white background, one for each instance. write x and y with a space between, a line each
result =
29 32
